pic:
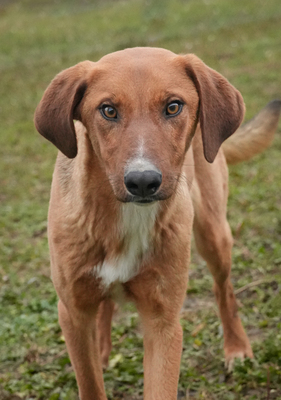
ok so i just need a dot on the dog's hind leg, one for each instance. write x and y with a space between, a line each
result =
105 314
214 242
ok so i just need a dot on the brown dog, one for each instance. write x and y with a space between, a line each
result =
130 183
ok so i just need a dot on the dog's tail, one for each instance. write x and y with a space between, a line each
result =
254 136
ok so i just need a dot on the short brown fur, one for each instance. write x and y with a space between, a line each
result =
89 228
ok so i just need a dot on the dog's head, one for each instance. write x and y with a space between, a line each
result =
140 108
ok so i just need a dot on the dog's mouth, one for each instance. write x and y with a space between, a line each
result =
141 200
144 201
123 195
148 200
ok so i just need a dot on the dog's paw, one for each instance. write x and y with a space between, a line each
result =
230 357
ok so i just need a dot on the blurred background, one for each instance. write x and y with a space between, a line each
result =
240 39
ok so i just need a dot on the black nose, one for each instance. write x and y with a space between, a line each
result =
144 183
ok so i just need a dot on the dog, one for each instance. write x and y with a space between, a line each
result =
142 165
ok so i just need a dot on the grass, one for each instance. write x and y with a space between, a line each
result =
242 40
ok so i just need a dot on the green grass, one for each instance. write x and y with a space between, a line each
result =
242 40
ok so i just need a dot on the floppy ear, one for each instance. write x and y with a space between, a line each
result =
59 106
221 108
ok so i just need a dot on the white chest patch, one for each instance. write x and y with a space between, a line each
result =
137 229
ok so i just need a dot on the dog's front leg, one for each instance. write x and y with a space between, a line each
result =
79 329
162 356
159 298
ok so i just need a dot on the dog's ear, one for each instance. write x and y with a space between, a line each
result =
60 105
221 108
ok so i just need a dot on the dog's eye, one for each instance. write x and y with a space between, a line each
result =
108 112
173 108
